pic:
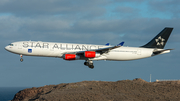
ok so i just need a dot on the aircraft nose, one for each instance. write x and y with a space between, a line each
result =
6 48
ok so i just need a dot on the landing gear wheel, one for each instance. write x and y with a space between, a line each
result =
21 56
86 63
89 63
91 66
21 60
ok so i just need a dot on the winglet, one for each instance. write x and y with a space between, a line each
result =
107 44
121 44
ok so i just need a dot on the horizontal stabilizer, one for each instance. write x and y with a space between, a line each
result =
156 52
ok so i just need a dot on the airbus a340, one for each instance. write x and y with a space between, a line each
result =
89 53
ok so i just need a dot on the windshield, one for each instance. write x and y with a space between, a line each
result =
10 44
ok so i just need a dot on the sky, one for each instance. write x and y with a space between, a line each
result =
87 22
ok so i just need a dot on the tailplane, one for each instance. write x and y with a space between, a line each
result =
160 40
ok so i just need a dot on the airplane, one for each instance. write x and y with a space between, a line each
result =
89 52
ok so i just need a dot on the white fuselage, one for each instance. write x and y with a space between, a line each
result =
50 49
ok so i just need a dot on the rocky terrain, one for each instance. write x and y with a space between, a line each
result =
125 90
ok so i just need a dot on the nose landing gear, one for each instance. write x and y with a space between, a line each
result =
21 56
89 63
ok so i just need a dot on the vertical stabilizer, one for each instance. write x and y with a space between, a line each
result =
160 40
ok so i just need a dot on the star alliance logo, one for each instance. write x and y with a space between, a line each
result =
160 41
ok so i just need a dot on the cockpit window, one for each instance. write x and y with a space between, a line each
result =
11 45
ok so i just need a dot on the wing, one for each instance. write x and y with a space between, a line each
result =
101 50
107 49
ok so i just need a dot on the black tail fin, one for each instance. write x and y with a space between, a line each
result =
160 40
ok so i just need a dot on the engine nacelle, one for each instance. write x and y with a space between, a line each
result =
70 57
91 54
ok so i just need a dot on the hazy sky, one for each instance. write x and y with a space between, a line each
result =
87 22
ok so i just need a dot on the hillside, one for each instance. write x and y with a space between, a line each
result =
125 90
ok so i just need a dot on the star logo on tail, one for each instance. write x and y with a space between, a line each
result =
160 41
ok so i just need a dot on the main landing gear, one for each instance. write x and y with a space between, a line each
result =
89 63
21 56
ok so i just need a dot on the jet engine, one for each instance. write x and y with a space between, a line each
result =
91 54
71 57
